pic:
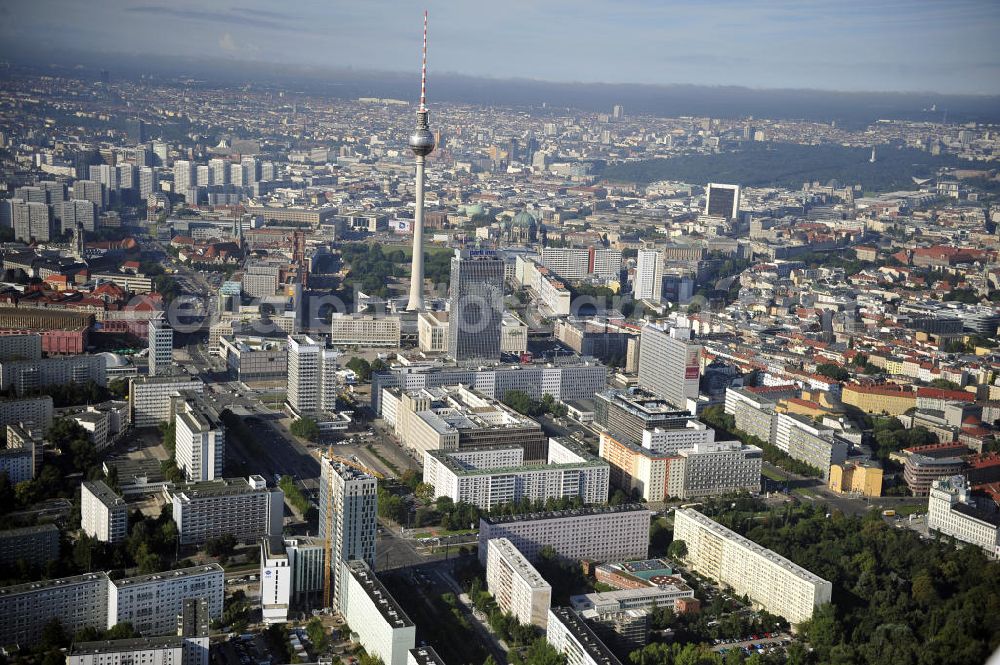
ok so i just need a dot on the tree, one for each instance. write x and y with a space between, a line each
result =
835 372
316 633
53 635
305 428
121 631
677 550
424 492
222 546
361 367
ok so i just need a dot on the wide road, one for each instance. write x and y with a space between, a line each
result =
815 489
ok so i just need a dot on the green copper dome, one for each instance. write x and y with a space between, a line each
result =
524 219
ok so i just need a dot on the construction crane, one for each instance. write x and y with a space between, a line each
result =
328 523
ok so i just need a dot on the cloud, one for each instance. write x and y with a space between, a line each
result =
227 43
209 17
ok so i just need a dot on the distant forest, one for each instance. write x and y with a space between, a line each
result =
790 165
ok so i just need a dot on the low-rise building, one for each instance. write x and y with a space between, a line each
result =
382 626
665 594
243 507
255 361
925 464
103 514
599 533
767 578
34 545
516 586
856 478
493 476
952 512
455 418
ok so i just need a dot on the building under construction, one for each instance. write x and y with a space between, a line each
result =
348 517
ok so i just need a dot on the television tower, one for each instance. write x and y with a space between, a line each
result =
421 143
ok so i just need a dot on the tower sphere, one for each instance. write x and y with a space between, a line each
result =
421 141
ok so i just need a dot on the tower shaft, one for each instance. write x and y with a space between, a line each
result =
416 301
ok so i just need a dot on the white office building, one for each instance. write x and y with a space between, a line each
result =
600 533
149 397
161 347
951 512
771 581
348 512
383 628
200 438
275 580
312 375
243 507
648 281
711 469
103 514
669 364
493 476
365 330
515 584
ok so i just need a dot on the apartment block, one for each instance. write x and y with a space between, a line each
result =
382 626
103 514
17 460
77 602
570 635
24 376
243 507
515 584
493 476
711 469
35 545
149 397
805 440
152 603
599 533
768 579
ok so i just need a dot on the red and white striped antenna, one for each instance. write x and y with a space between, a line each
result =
423 71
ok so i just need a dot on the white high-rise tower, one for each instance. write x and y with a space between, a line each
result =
421 143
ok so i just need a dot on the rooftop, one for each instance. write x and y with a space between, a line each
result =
595 648
169 575
28 587
425 656
521 566
134 644
103 493
568 514
29 530
211 488
386 604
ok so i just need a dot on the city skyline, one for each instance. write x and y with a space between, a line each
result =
853 46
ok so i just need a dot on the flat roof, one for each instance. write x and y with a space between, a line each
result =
133 644
379 595
425 656
518 563
595 648
169 575
103 493
565 514
218 487
29 587
28 531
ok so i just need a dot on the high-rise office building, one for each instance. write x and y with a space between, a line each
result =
348 514
422 144
91 190
161 345
204 175
200 443
669 364
722 200
105 174
312 377
184 178
149 181
32 220
80 212
220 171
648 283
476 311
618 112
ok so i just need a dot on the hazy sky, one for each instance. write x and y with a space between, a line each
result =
948 46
